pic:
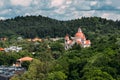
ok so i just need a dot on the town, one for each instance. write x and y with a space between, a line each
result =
40 48
16 68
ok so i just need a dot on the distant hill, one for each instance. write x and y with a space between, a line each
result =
32 26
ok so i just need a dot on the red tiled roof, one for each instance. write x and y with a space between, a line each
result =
36 39
1 49
26 59
80 35
87 42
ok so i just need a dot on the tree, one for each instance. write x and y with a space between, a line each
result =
35 71
56 76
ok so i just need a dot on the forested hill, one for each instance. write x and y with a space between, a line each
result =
101 61
32 26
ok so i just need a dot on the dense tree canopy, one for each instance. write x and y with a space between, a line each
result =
101 61
32 26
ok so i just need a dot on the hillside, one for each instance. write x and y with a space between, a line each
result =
51 61
32 26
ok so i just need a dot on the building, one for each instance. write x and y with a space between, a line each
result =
79 39
19 61
7 72
55 39
3 39
2 49
36 39
25 59
13 49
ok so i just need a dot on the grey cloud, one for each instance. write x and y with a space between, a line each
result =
67 10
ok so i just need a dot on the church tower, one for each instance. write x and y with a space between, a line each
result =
66 41
79 29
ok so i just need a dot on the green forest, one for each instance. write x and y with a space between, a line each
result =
101 61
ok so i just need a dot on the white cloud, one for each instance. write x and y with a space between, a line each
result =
112 16
21 2
61 9
27 14
108 2
5 11
81 5
76 14
93 3
36 2
105 15
1 3
56 3
89 13
79 14
118 7
68 1
2 18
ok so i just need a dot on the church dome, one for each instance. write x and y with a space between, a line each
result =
80 35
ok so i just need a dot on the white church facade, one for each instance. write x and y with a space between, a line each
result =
79 39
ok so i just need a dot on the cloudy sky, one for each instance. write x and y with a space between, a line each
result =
61 9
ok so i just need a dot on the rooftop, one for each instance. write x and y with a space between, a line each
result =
7 72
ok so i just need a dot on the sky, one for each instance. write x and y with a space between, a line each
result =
60 9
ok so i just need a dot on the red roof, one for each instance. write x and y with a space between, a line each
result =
87 42
1 49
26 59
36 39
80 35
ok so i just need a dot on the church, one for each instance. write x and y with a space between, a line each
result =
79 39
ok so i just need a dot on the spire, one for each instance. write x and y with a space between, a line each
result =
79 29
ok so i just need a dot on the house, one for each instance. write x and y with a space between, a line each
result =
3 39
29 40
55 39
19 38
2 49
79 39
35 40
25 59
19 61
13 49
6 72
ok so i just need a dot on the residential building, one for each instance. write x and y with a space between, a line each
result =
2 49
7 72
13 48
3 39
35 40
